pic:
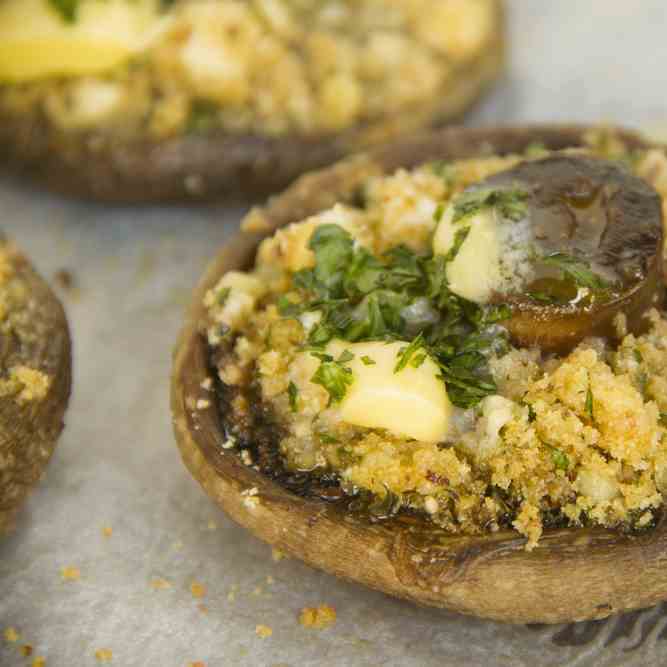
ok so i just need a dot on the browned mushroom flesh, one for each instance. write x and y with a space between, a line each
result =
35 379
596 234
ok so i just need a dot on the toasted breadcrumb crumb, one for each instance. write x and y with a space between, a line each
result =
277 555
26 650
11 635
160 584
317 618
196 664
107 531
263 631
70 573
197 589
39 662
103 655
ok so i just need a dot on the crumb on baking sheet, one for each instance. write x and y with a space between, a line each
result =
70 573
198 590
39 662
197 664
26 650
11 635
159 584
263 631
277 555
317 618
65 279
103 655
202 608
107 531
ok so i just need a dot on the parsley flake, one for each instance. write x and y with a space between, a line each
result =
293 393
578 270
589 403
334 377
68 9
406 353
560 459
511 204
367 361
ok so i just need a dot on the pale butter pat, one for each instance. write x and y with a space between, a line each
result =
412 403
493 258
36 41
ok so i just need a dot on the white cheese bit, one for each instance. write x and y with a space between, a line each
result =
494 258
412 403
246 457
230 443
431 505
496 412
600 488
309 319
242 291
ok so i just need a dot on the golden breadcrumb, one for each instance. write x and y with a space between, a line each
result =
317 618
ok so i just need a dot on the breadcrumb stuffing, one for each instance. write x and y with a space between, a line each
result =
579 439
317 618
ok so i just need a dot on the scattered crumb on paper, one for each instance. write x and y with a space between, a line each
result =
107 531
70 573
277 555
160 584
26 650
317 618
197 589
103 654
39 662
11 635
263 631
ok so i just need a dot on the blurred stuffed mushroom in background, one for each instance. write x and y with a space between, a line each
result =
140 100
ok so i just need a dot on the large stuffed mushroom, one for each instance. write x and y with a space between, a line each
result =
438 370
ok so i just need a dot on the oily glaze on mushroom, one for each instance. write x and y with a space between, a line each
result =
592 244
487 574
35 379
141 100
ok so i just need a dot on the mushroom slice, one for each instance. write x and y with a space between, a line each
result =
35 379
594 250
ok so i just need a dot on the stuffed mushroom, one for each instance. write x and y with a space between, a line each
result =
198 99
439 370
35 380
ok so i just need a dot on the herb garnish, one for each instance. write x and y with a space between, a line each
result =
589 403
560 459
367 361
333 376
68 9
363 297
578 270
511 204
293 393
406 353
